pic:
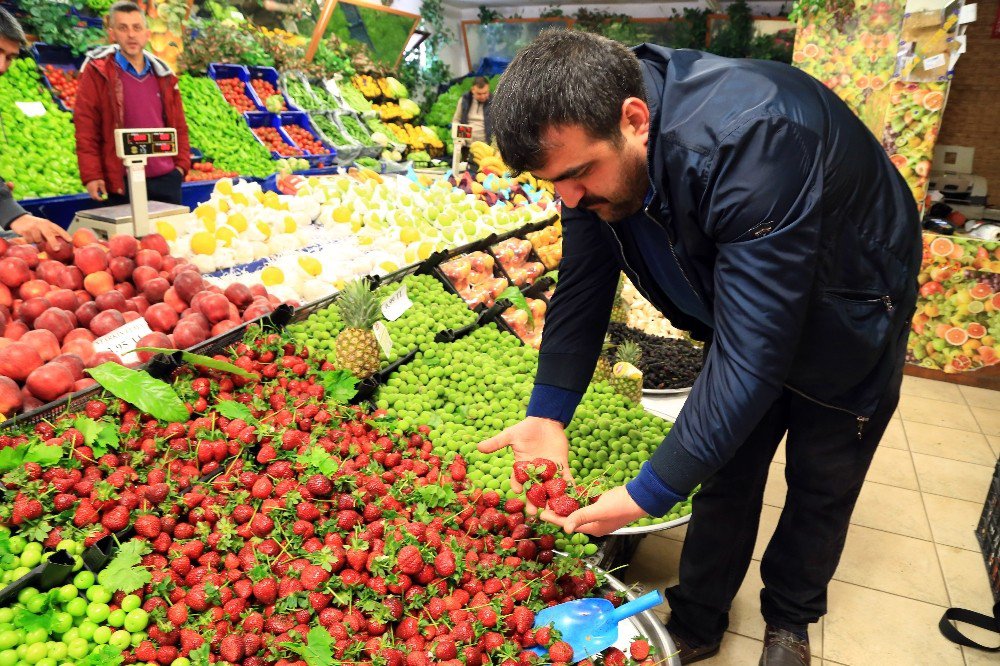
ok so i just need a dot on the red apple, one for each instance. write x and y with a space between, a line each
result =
188 333
18 360
130 315
84 349
161 317
44 342
222 326
83 237
26 252
172 299
138 304
49 271
61 251
86 313
84 383
239 295
49 382
160 340
258 290
5 296
105 322
155 242
150 258
144 274
73 362
105 357
187 284
14 271
10 397
98 283
78 334
215 307
34 289
110 300
58 321
155 289
63 298
70 278
15 330
91 259
123 245
32 308
121 268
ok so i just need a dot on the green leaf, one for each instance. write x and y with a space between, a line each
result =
28 621
233 410
139 388
316 459
204 361
338 384
43 454
199 657
125 572
554 275
11 457
514 295
103 655
319 649
97 435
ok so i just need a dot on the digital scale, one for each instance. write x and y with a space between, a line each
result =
134 147
462 137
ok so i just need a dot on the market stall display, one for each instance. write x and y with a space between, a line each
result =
666 363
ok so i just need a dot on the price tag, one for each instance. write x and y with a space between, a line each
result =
31 109
398 303
935 61
123 340
382 337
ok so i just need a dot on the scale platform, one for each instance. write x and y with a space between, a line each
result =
111 220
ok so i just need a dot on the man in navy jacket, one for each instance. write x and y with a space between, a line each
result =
748 204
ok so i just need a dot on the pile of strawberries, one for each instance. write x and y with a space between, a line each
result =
265 91
201 171
325 528
234 91
65 82
546 490
305 140
273 140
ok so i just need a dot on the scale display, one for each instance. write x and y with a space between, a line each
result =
137 143
462 131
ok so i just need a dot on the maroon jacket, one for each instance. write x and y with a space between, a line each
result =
99 112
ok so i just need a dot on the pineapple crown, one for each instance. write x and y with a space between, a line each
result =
358 305
629 352
608 346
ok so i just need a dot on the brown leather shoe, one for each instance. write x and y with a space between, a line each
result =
783 648
689 654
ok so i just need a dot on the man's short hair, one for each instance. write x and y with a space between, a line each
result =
564 77
123 7
480 81
11 29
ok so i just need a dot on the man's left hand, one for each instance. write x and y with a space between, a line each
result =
37 230
612 510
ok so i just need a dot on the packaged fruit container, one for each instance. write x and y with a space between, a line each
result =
476 277
518 259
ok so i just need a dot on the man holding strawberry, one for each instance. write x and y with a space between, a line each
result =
748 204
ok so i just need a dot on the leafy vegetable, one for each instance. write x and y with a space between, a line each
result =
139 388
125 572
204 361
318 460
99 436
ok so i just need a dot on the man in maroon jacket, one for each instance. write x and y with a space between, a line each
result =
123 87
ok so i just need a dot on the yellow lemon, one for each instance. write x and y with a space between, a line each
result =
210 225
224 187
241 199
166 230
206 212
409 235
224 206
425 250
203 242
271 276
237 221
290 225
311 265
259 196
264 229
225 235
342 214
389 266
410 255
356 225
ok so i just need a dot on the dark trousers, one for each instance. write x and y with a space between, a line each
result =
825 468
165 188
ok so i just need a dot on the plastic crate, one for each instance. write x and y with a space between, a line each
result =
346 152
60 210
270 74
988 534
59 57
217 70
301 119
255 120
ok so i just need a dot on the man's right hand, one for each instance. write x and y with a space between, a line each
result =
532 438
96 190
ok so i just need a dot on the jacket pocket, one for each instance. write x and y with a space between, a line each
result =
844 339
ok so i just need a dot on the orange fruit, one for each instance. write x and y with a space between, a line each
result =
975 330
942 247
956 336
933 100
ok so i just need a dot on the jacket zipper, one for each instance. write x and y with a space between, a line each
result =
862 420
677 261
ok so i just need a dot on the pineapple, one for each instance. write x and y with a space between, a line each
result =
604 366
627 378
619 312
357 349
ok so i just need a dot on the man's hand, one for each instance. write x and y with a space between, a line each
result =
36 230
96 190
612 510
532 438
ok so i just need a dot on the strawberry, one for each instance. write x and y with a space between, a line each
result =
410 560
177 614
95 409
543 636
521 471
614 657
563 505
555 487
444 563
487 616
231 648
639 649
319 486
266 591
116 519
536 495
148 526
312 577
561 651
514 505
262 488
545 468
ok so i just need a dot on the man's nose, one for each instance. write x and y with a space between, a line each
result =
570 192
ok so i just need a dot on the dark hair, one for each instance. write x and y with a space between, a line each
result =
11 29
564 77
124 7
480 81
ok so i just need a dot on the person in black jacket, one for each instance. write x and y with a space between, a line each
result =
13 217
473 108
748 204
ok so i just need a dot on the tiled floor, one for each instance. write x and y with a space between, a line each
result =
911 551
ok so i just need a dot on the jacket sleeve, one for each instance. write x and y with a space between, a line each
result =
10 210
183 159
581 306
762 207
87 120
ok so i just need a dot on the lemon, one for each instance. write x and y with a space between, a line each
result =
342 214
388 266
311 265
425 250
203 242
290 225
259 196
224 187
240 199
271 276
237 221
409 235
205 212
225 235
166 230
224 206
264 229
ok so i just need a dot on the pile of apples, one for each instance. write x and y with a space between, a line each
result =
56 301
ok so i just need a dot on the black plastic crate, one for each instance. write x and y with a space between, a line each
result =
988 533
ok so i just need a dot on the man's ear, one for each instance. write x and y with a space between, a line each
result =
635 117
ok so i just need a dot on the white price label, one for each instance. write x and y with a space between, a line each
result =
31 109
123 340
382 337
398 303
935 61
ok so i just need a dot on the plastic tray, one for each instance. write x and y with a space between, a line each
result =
218 71
270 74
346 152
57 56
301 119
269 120
649 529
532 257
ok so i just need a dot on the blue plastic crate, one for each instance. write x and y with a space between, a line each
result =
270 74
219 70
269 120
60 210
59 57
302 119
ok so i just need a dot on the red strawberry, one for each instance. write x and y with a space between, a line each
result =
536 495
444 563
545 468
543 636
563 505
148 526
262 488
514 505
177 614
521 472
261 525
639 649
555 487
487 616
116 519
312 577
561 651
266 591
95 409
410 560
231 648
614 657
319 486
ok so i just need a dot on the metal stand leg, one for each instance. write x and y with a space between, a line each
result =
139 199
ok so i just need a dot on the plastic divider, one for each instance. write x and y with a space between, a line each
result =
47 575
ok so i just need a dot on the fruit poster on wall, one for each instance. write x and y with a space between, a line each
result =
856 58
957 324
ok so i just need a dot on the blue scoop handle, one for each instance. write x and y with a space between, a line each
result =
643 603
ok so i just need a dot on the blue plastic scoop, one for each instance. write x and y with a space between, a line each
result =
591 625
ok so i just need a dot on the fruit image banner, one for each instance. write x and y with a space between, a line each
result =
956 327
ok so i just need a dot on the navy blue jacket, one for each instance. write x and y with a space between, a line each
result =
792 229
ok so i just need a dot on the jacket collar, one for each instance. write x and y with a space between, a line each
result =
127 66
101 55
